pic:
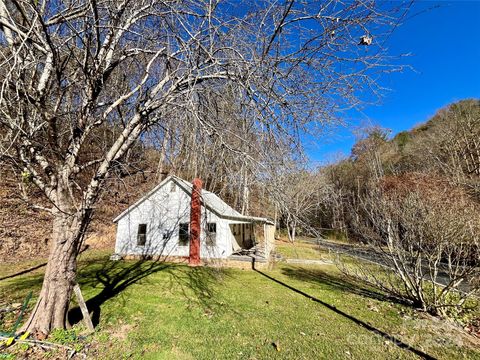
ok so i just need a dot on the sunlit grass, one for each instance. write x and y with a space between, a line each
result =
300 250
161 311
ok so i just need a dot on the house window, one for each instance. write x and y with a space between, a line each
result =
183 235
167 235
211 234
173 187
142 234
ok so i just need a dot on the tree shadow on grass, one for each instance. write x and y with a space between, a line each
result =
16 290
38 266
343 283
23 272
355 320
114 277
196 284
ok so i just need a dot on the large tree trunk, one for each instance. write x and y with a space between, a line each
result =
50 311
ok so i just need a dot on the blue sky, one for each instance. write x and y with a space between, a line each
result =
444 43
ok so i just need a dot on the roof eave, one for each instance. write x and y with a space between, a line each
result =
249 219
181 184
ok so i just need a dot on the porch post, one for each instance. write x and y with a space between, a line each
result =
265 239
195 218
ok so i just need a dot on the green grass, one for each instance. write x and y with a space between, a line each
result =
336 236
160 311
300 250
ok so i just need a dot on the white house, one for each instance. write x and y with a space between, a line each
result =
158 225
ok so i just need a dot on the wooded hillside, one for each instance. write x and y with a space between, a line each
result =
441 156
438 158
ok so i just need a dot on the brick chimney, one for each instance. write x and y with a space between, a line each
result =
195 218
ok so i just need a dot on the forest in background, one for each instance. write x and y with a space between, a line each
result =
439 160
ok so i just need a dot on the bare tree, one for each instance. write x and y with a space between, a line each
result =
76 73
425 234
452 145
300 197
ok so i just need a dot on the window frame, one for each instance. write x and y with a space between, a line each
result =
183 236
211 236
141 234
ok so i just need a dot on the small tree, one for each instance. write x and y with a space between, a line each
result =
426 235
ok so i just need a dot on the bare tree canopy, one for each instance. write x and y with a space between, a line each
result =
412 200
81 81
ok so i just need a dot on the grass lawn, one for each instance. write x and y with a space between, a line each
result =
300 250
147 310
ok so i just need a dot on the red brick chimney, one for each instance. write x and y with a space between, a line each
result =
195 218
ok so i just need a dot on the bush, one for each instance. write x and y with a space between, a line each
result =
427 235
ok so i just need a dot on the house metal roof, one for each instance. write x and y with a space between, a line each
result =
209 199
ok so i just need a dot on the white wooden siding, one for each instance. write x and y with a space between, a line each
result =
163 211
